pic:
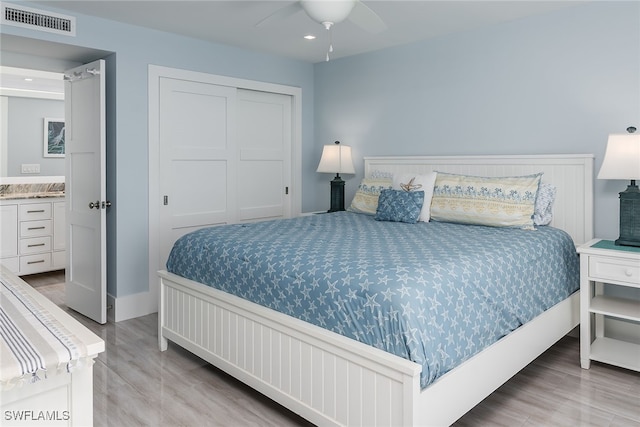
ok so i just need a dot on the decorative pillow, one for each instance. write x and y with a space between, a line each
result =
366 199
543 212
413 182
492 201
399 206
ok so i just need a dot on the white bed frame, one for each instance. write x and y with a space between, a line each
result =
333 380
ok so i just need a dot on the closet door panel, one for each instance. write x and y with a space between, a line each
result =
264 155
197 155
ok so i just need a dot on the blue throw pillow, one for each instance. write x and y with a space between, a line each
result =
399 206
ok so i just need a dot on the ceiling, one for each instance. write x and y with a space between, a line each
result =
30 83
234 22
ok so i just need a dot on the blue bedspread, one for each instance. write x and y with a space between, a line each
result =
434 293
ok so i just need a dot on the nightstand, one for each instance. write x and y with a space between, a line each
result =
603 262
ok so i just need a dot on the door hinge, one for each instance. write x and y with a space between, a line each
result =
166 200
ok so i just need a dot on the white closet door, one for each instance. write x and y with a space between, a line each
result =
197 153
264 155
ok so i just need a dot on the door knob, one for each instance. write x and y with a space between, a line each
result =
94 205
106 204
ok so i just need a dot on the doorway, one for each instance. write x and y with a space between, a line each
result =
22 52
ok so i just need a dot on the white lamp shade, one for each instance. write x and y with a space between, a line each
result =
336 159
622 157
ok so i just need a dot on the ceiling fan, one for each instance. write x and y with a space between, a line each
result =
331 12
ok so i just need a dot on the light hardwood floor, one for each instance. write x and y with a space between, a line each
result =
137 385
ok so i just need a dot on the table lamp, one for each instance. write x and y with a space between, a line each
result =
622 161
336 159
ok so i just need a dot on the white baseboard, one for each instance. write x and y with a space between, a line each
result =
131 306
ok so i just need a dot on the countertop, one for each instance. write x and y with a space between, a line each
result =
20 196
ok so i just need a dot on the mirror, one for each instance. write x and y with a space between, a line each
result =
29 101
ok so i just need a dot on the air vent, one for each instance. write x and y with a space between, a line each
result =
40 20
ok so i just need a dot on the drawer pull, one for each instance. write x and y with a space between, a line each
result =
628 272
35 245
35 228
35 262
36 211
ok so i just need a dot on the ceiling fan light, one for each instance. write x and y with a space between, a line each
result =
333 11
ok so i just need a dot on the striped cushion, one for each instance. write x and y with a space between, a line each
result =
491 201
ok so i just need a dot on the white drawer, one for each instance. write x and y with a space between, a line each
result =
614 269
35 228
30 264
34 245
34 211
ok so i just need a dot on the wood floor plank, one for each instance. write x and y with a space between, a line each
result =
137 385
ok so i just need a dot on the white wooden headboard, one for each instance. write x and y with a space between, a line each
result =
572 174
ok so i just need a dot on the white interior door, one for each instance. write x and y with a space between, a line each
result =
85 185
197 151
264 155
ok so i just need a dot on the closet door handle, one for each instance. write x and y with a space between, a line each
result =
94 205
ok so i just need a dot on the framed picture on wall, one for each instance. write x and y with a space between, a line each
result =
53 137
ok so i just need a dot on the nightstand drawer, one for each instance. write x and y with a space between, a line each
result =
614 269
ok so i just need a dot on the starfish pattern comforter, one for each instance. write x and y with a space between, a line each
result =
435 293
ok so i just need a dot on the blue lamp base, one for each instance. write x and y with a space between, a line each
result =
337 194
629 216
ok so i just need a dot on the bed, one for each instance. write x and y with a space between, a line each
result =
331 379
46 374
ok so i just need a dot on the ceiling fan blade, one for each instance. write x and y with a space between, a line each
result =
282 13
367 19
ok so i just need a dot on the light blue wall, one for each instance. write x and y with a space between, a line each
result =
25 134
134 49
554 83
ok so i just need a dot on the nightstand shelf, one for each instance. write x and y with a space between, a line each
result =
617 307
602 262
616 352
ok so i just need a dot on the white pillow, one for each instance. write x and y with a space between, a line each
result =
415 182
